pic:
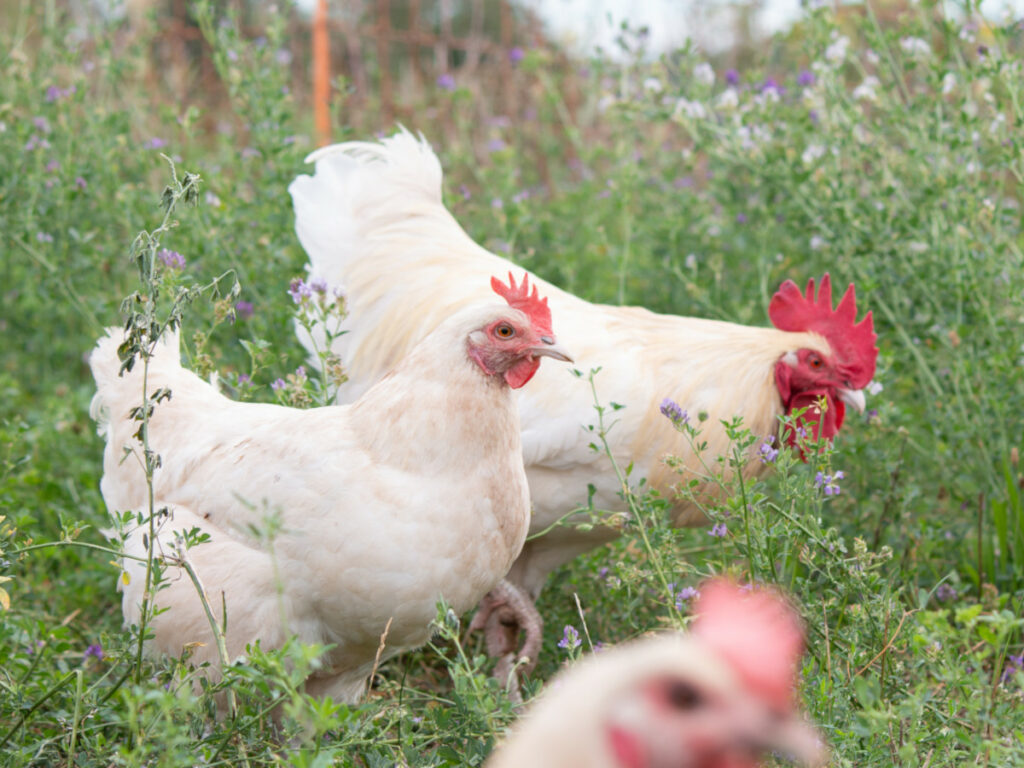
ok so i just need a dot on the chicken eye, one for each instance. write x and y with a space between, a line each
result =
683 696
815 362
505 331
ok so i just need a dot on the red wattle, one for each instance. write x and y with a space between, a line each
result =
522 372
826 425
626 747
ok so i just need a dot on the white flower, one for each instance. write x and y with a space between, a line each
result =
817 243
812 153
871 57
692 109
916 247
751 136
652 85
874 387
948 83
998 123
728 99
915 47
866 90
704 74
836 51
690 261
605 102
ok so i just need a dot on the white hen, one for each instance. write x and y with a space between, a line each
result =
718 697
413 493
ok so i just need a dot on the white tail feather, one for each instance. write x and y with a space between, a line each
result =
355 185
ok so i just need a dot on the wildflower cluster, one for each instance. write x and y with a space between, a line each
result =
670 409
829 484
570 638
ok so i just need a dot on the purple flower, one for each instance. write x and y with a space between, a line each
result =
768 454
741 218
446 82
52 167
41 124
732 77
277 384
1014 664
80 182
570 638
670 409
872 414
602 572
771 84
55 93
244 380
496 203
36 142
243 310
515 55
44 237
232 55
464 191
283 57
155 143
686 593
718 530
250 152
171 259
828 482
298 289
945 593
94 650
682 182
806 77
319 285
495 145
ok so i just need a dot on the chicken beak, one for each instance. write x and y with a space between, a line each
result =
799 741
853 398
550 348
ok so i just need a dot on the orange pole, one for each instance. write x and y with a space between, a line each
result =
321 75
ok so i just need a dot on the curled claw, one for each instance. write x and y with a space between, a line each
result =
504 612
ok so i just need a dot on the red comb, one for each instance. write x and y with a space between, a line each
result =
529 303
853 343
757 632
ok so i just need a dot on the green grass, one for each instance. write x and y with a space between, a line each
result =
662 189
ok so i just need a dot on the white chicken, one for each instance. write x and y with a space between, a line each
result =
373 223
414 493
718 697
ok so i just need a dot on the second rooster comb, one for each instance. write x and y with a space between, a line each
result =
790 310
526 301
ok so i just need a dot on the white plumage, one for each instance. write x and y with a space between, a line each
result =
413 493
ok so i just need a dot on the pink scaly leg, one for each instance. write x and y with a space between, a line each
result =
504 612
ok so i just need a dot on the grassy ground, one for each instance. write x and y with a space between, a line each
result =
886 151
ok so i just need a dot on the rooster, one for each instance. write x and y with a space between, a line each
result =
373 223
720 696
413 493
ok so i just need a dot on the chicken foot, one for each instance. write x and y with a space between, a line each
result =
504 612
